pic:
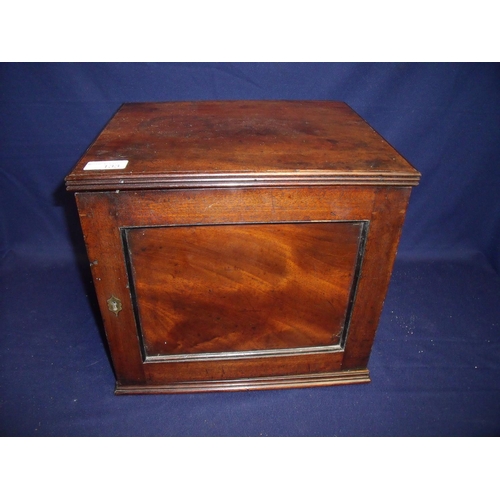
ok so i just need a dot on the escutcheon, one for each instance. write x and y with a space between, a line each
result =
114 304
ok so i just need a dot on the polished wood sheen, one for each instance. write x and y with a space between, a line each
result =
249 244
251 143
245 287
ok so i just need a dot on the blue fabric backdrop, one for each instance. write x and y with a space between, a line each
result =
435 364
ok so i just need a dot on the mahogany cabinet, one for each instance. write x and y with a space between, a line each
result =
240 245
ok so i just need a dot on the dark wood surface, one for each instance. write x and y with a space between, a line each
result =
198 144
235 286
246 287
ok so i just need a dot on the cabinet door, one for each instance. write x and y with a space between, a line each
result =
224 289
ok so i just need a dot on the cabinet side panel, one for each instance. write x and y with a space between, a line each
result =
389 210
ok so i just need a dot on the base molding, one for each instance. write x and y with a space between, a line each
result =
261 383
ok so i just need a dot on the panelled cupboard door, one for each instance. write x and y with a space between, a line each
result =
225 289
240 245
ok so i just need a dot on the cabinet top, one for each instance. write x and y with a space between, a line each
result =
236 144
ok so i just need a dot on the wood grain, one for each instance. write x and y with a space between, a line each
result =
249 243
247 287
240 143
254 383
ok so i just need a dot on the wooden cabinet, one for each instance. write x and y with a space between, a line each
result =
241 244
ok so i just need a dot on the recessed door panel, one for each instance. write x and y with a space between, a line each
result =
242 289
